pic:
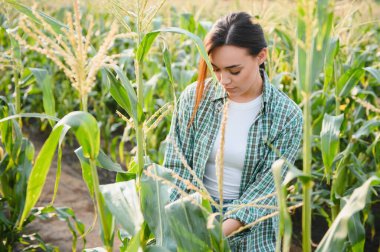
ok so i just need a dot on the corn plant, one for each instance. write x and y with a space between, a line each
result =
66 46
313 32
16 163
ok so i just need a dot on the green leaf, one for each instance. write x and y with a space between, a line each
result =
357 233
86 171
188 222
325 17
285 225
168 66
330 141
29 115
155 196
134 243
340 176
102 161
122 200
374 72
63 214
156 248
348 80
301 52
55 24
146 44
149 38
337 234
16 53
294 172
329 62
45 81
86 131
123 92
39 172
368 128
24 167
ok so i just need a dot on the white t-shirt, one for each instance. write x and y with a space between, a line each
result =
240 118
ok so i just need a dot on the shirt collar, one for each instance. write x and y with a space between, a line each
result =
221 93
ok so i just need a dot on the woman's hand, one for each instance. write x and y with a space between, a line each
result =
230 225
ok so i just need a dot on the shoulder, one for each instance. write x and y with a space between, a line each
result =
283 111
188 95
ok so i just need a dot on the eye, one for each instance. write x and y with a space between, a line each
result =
215 70
235 73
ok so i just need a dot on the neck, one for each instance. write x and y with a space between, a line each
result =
253 93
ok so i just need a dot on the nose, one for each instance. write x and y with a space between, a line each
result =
224 79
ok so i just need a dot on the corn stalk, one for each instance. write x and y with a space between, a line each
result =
314 25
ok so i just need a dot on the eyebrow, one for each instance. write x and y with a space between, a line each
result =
228 67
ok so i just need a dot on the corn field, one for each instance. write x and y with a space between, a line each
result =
102 79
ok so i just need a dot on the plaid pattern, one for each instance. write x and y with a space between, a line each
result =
276 130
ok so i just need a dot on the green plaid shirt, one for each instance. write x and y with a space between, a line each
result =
276 130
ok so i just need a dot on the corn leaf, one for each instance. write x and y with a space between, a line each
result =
123 92
45 81
357 233
366 129
86 131
331 53
102 161
301 51
122 200
337 234
35 115
340 179
325 17
374 72
330 141
188 222
285 225
348 80
134 243
24 168
156 248
55 24
146 44
149 38
155 195
168 66
39 172
86 171
11 134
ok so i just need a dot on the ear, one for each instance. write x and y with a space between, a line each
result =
262 56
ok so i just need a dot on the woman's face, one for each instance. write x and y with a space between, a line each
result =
238 71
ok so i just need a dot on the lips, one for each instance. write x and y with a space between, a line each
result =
230 89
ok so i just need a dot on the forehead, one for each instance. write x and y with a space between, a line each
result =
229 55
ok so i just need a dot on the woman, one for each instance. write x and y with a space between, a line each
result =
263 125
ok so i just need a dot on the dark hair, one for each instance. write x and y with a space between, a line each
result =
236 29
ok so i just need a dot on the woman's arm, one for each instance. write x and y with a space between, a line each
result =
230 225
